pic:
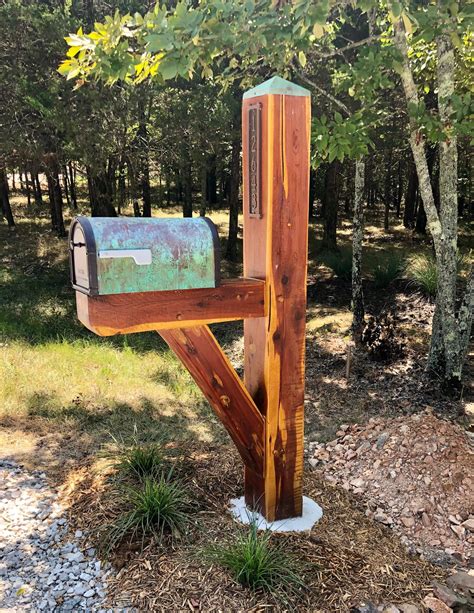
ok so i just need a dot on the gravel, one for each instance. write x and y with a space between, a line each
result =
42 566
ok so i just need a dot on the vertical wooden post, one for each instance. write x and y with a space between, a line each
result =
276 139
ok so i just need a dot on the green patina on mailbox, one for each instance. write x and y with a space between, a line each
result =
120 255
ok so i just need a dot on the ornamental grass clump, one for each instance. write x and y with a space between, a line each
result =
137 460
256 561
422 274
340 263
387 270
154 508
141 460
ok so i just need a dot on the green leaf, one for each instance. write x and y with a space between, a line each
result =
168 68
158 42
302 59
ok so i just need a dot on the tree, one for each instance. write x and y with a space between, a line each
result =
240 36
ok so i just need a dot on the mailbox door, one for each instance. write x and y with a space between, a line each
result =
82 256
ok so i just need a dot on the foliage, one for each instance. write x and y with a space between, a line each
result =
139 460
339 138
155 507
422 273
386 269
257 562
340 263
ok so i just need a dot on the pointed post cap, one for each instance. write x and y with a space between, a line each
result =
277 86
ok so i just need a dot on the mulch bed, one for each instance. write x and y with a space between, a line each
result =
349 558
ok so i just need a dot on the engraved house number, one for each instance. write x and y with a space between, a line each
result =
255 204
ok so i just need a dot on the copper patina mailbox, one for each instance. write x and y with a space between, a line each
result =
128 255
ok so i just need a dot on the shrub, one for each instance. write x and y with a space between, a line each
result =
340 263
386 271
422 273
258 563
153 508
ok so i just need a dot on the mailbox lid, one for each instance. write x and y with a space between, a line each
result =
124 255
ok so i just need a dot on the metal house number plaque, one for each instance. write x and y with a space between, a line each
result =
255 204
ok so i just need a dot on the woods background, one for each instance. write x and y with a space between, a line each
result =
391 128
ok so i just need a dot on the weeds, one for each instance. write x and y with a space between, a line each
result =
386 271
258 563
154 508
141 460
340 263
422 273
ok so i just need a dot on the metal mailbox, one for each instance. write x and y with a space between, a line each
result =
120 255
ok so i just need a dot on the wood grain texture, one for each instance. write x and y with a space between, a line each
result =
139 312
202 355
275 249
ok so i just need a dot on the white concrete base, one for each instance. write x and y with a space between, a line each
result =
312 513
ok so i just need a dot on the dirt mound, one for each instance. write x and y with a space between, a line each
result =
416 474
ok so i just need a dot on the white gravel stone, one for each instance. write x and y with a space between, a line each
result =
38 572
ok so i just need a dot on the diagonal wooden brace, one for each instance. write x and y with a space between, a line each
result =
211 369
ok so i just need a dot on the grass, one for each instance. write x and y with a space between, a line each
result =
137 460
422 273
154 507
386 270
257 562
340 263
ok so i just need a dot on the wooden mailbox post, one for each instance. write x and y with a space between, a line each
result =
263 414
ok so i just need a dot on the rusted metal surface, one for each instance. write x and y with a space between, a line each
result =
126 255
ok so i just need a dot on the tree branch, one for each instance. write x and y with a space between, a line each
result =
342 50
323 92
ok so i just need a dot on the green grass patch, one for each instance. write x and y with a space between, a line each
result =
258 562
339 262
386 269
154 508
137 460
422 274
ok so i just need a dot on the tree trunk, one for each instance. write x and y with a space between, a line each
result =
122 195
143 156
37 190
66 186
5 197
203 207
188 190
410 199
211 183
420 225
100 194
388 182
399 188
357 239
72 184
330 207
231 251
27 188
452 329
55 194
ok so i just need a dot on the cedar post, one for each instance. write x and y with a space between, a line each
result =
276 138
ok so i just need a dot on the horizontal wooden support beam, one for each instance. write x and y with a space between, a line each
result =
202 355
140 312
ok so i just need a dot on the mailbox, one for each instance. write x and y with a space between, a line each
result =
120 255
